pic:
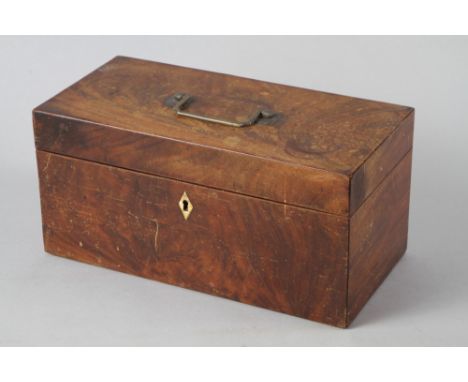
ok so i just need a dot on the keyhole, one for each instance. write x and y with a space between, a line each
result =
185 206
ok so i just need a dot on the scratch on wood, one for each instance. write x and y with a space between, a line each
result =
116 199
44 169
284 199
156 236
136 217
285 213
153 255
133 215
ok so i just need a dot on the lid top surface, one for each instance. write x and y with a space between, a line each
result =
309 128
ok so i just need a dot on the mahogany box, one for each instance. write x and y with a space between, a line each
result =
289 199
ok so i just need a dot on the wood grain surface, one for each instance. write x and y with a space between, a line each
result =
303 213
271 255
321 130
203 165
378 235
119 115
381 162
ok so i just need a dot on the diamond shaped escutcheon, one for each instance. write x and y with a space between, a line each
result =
185 206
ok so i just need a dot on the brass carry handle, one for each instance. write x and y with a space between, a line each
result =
183 100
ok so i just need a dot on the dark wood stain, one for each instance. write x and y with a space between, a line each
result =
378 236
130 94
260 177
320 136
381 162
268 254
304 213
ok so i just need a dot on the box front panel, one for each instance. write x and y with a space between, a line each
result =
264 253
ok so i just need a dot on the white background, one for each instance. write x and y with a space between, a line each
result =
46 300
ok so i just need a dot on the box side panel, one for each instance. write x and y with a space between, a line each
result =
381 162
378 236
204 165
268 254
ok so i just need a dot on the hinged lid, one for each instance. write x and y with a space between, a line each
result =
290 145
